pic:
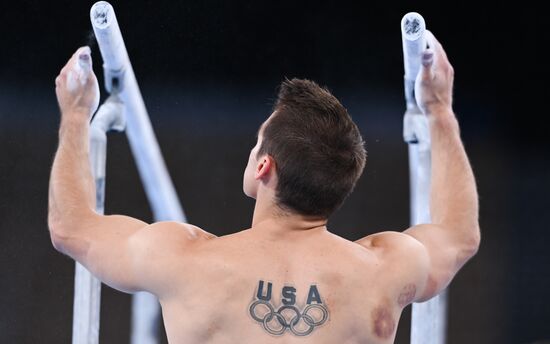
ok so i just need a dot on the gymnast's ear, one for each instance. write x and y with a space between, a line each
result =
265 166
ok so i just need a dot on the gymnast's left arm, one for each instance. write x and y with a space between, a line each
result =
125 253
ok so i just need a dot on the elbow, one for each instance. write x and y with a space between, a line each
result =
60 232
57 242
57 235
56 229
467 249
476 241
69 239
472 243
66 231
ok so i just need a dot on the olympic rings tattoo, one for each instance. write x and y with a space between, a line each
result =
281 325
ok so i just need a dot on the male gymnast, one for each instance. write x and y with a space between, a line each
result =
287 279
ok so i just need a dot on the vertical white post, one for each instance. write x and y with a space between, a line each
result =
152 169
428 324
87 299
87 293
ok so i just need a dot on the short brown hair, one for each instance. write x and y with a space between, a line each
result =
318 151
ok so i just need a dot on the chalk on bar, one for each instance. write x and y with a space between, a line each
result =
413 27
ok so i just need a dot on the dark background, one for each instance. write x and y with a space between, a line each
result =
208 72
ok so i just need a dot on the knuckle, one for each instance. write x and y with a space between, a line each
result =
425 77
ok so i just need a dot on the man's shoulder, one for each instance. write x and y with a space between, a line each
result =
391 243
171 233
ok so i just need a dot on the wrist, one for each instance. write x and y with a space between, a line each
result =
73 124
75 118
444 121
439 110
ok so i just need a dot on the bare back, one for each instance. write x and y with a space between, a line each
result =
311 288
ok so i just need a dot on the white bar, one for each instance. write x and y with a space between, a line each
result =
428 323
107 33
413 27
419 174
145 322
154 175
87 293
87 299
158 185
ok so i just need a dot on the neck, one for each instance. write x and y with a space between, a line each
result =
267 215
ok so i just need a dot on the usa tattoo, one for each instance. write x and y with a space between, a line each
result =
300 321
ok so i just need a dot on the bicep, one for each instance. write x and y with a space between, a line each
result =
424 255
446 255
404 263
128 254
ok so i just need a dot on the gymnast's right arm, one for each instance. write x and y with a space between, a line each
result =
430 255
125 253
454 235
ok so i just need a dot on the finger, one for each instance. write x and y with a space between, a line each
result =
435 45
82 65
431 40
82 51
82 58
81 54
85 50
91 78
427 60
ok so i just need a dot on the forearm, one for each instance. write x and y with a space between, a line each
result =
454 199
72 189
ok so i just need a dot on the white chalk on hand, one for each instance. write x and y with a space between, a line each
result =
78 74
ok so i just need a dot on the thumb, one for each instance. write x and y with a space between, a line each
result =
85 59
427 63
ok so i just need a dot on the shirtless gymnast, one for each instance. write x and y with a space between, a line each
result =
287 279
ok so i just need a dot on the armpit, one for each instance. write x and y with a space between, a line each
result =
383 322
407 295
